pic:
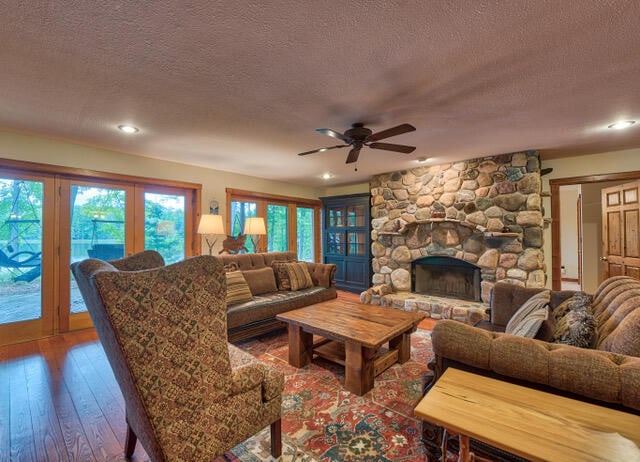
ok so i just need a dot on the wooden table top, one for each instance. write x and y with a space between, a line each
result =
532 424
368 325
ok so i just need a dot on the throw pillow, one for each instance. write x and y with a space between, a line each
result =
299 275
282 277
577 327
260 281
527 320
231 266
237 288
579 300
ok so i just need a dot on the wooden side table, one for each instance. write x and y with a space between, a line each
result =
532 424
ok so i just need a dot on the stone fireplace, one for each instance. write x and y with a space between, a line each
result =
445 276
484 213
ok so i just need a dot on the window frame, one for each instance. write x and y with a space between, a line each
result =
292 203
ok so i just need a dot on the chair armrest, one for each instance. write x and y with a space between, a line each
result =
255 375
322 274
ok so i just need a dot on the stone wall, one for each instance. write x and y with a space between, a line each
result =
485 211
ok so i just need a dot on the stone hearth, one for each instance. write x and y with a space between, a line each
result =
487 212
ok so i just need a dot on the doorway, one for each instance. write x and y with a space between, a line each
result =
48 221
589 249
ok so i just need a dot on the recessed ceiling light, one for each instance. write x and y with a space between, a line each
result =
327 176
621 125
422 160
128 129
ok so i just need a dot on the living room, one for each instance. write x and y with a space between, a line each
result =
223 102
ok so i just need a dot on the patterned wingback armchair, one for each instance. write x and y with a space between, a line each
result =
164 332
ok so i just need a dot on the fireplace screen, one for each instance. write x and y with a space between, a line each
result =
446 277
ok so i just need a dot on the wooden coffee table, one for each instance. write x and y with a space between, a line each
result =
353 335
532 424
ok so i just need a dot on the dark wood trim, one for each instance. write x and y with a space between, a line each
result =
554 186
272 197
599 178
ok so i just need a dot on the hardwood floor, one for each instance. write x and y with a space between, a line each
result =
59 401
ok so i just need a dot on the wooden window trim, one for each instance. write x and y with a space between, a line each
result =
262 199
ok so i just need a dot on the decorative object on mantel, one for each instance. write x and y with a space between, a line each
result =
211 225
255 228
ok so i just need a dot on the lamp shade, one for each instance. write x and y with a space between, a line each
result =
254 226
211 224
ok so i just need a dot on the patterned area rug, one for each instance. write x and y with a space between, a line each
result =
323 422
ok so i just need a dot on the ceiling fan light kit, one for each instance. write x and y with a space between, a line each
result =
359 136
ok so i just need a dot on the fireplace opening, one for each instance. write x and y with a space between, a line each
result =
446 277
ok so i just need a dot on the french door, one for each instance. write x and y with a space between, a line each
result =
49 222
27 304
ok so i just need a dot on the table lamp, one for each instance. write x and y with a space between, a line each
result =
211 225
255 228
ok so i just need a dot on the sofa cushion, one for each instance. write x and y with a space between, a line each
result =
260 281
237 289
299 275
282 276
527 320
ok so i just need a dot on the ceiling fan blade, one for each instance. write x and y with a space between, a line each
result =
393 147
323 149
353 155
389 132
335 134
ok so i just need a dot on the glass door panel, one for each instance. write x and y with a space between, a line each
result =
20 250
355 216
335 217
277 228
305 233
27 298
356 243
164 225
97 230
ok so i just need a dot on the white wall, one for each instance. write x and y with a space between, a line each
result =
569 230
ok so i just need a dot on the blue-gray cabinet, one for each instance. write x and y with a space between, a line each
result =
346 239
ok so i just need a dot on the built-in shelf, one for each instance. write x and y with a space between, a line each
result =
499 234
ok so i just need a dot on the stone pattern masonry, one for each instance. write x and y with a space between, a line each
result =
485 211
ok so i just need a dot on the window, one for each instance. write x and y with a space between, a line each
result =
305 231
52 216
292 223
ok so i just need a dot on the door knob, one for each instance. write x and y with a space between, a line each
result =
603 258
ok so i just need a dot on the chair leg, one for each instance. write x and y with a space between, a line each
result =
129 442
276 438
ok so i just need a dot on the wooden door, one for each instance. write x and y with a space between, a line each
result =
620 223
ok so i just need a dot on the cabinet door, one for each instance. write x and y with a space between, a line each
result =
346 240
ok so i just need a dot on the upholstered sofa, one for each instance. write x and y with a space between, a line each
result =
268 298
607 373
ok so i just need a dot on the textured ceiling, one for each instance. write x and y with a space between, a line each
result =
241 86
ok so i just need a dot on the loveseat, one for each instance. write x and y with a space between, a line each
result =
270 293
607 373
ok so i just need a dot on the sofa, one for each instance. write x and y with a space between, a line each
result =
607 372
269 293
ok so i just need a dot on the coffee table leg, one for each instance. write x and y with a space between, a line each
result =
402 343
300 346
358 369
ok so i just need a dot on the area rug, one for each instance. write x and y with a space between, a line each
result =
321 421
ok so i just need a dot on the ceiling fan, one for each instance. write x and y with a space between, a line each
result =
359 135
